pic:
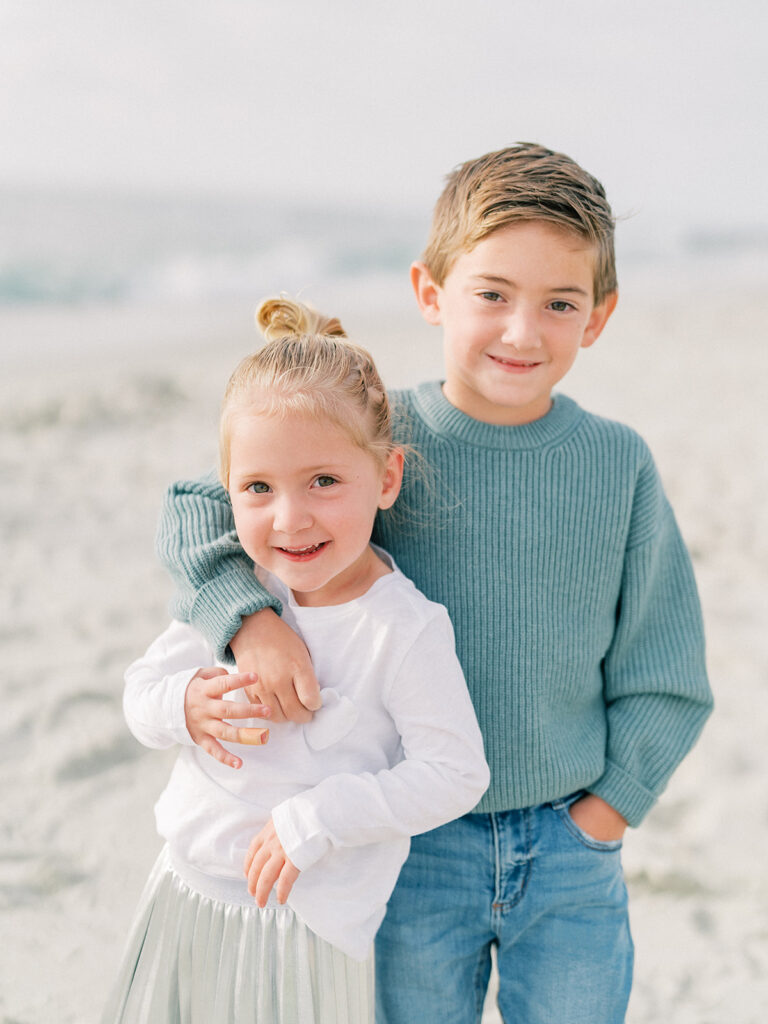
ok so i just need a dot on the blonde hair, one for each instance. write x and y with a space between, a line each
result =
525 182
308 366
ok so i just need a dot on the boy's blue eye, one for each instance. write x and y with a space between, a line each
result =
491 296
325 481
258 487
560 305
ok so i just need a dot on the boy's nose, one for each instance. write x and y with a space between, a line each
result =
521 330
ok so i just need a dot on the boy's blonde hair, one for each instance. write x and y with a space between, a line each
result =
525 182
307 366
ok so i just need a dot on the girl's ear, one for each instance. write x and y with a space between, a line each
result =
392 479
426 291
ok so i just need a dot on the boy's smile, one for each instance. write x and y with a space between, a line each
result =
515 311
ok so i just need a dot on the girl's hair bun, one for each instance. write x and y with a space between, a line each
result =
283 318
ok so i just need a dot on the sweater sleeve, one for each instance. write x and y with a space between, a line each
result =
443 773
656 689
215 582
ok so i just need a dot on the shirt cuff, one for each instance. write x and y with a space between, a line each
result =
305 846
177 690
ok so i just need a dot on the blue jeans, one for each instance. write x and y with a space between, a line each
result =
548 896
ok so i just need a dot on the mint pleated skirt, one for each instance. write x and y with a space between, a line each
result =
195 959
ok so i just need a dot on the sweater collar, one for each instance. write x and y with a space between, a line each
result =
447 420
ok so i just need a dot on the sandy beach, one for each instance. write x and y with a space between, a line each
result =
101 408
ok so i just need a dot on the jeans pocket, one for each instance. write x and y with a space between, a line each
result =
562 809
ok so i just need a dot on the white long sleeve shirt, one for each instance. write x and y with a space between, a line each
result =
394 751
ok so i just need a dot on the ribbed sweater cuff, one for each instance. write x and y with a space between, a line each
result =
220 606
625 794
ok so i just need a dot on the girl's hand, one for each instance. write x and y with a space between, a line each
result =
286 680
597 818
265 864
205 712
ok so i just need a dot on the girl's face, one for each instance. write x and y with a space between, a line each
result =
304 498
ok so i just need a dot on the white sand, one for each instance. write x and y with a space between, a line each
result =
101 409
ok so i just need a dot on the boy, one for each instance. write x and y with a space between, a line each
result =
546 534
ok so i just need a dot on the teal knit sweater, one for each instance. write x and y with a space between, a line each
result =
557 555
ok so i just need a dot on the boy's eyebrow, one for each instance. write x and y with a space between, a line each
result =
495 279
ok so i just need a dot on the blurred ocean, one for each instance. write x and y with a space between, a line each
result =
74 247
69 247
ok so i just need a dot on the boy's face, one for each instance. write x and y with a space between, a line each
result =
515 311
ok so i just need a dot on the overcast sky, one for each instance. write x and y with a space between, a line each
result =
665 101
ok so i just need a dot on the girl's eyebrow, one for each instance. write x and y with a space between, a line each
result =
495 279
323 467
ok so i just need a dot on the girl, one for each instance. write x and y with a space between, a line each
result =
279 860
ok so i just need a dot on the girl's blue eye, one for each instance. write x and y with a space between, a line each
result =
258 487
325 481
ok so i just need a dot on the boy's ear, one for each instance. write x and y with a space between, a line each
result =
426 291
598 318
392 479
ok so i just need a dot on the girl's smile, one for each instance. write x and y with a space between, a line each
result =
304 498
304 554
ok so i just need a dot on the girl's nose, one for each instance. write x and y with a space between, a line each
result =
291 515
